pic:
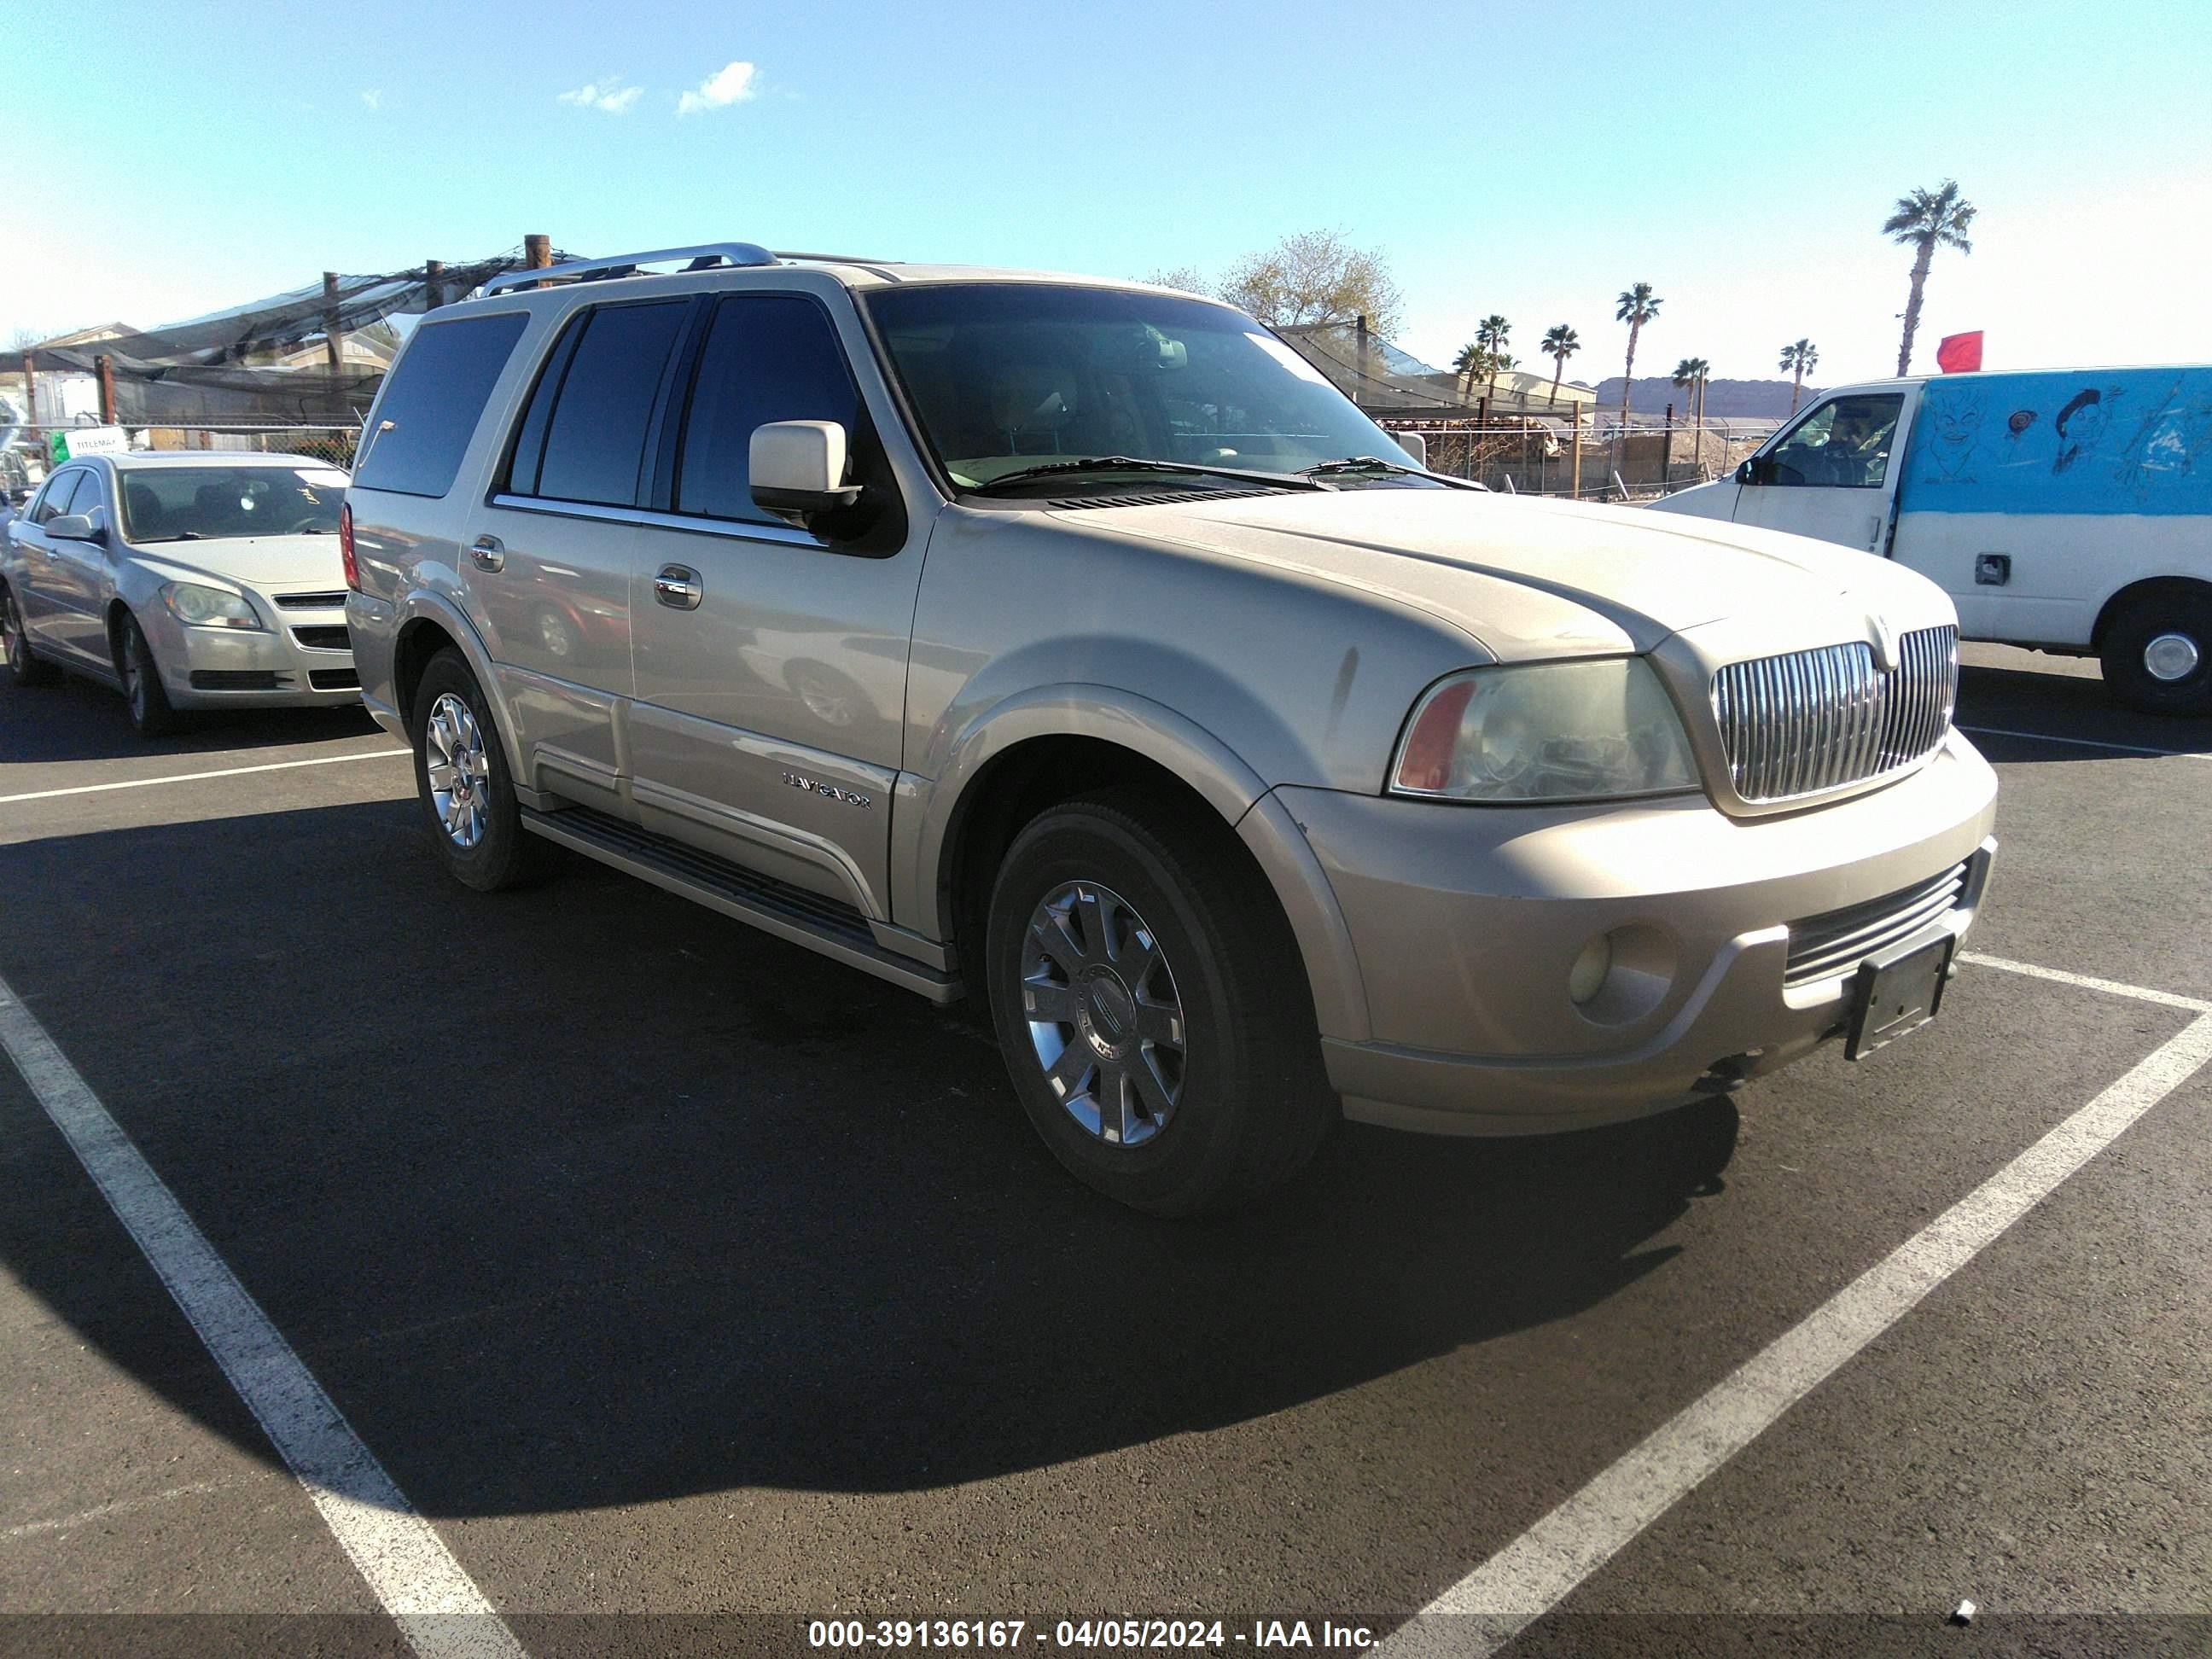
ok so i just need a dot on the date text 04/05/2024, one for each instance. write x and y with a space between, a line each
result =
1131 1634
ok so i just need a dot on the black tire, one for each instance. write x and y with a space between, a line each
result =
151 716
504 853
1251 1102
25 668
2180 610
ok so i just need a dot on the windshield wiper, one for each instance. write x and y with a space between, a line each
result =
1354 466
1093 463
181 536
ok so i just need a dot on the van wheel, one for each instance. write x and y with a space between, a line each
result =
1152 1007
461 778
2157 651
151 714
23 668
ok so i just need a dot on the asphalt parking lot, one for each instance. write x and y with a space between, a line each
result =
669 1270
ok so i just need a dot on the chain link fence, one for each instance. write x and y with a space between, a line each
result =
1533 456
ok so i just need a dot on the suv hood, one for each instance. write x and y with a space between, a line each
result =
268 562
1529 578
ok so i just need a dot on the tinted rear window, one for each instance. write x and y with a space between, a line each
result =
602 408
428 411
769 357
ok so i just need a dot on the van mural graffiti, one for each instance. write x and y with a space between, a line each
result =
2112 440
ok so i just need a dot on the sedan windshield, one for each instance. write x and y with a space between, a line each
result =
214 503
1010 378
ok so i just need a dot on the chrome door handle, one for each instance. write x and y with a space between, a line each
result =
488 553
679 586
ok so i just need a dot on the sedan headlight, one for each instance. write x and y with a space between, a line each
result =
209 607
1544 732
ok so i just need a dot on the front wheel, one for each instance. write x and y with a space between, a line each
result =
23 668
2157 652
461 778
1152 1007
151 716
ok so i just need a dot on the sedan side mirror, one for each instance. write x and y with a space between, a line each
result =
71 527
796 469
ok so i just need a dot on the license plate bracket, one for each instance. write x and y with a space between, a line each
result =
1897 993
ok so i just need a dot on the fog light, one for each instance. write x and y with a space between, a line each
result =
1588 975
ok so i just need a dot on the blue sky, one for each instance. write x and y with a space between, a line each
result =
1514 158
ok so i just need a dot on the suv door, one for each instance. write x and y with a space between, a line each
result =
771 665
79 576
550 555
37 590
1834 474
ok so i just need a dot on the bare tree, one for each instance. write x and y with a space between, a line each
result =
1315 278
1189 278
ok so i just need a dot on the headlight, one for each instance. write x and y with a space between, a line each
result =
1563 731
209 607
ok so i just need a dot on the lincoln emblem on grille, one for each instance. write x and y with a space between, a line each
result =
1884 643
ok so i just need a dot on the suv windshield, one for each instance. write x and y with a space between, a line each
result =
212 503
1008 377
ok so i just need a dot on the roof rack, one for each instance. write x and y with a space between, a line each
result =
835 259
705 257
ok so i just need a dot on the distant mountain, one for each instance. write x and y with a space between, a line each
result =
1725 400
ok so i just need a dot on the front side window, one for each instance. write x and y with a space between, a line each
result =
1844 444
225 503
1008 376
429 409
768 357
584 436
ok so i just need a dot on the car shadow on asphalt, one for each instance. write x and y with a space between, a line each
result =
584 1196
78 720
2066 706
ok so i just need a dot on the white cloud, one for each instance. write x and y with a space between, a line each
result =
373 100
731 84
609 95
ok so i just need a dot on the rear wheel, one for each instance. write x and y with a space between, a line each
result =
2157 651
1153 1008
461 777
151 713
23 668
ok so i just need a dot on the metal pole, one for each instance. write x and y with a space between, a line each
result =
1359 355
1575 475
330 319
1666 451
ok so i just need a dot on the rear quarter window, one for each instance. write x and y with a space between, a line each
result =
429 410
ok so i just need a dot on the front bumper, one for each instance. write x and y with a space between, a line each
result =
297 662
1465 922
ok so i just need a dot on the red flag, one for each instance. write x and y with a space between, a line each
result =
1960 353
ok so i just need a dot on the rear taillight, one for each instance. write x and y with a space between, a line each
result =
345 547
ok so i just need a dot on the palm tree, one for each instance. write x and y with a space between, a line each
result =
1560 342
1472 364
1639 306
1925 221
1690 375
1801 358
1491 331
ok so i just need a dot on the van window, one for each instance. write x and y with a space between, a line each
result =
601 402
429 408
768 357
1843 444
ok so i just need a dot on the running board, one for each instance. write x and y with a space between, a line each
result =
792 912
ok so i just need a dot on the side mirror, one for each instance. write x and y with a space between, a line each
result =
1756 469
1414 445
71 527
796 469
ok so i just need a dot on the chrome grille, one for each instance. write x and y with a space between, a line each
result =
1837 942
1810 722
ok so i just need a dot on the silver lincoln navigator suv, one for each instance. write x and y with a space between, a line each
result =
1074 644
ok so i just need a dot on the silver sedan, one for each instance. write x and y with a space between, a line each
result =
185 581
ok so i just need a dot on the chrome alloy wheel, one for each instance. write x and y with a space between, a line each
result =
2172 657
1104 1017
460 770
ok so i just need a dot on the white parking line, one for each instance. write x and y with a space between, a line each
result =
2087 743
2086 982
195 777
1539 1569
437 1607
